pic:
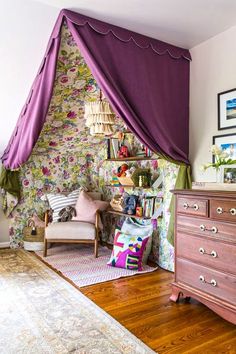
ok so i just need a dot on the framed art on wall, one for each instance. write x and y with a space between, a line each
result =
227 143
227 109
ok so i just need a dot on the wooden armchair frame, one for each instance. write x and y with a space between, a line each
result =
95 241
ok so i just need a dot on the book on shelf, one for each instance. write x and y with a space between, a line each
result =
158 208
147 204
148 152
152 207
112 148
108 149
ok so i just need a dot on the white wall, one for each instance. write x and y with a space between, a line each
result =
25 27
213 70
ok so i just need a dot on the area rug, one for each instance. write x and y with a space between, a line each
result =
78 264
41 313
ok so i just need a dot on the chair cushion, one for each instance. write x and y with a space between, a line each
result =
70 230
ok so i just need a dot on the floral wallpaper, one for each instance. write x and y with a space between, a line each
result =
67 157
165 249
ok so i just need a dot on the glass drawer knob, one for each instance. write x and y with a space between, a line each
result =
219 210
202 227
185 205
202 279
213 282
201 250
232 211
214 254
214 229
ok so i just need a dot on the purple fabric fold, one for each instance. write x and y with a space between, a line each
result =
145 80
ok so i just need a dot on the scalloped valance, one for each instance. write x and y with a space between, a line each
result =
124 35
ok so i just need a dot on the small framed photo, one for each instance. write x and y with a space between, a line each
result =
227 109
228 174
227 143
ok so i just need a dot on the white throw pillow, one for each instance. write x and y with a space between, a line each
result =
59 201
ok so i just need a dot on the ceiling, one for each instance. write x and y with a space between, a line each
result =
185 23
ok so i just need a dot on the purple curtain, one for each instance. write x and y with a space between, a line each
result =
145 80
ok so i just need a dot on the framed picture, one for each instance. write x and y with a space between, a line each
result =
228 174
226 142
227 109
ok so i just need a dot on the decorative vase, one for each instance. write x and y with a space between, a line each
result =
218 175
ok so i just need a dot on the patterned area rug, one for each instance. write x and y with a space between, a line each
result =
41 313
78 264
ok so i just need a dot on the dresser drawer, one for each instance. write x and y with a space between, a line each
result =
192 206
223 209
216 283
215 254
206 227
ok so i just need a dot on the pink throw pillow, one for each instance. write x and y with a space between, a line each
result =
86 208
101 204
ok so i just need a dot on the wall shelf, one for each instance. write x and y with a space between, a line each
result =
132 158
127 186
127 215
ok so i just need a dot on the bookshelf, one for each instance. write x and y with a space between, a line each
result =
127 215
152 209
151 205
132 158
127 186
114 145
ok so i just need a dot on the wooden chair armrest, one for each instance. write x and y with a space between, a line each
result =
46 217
97 219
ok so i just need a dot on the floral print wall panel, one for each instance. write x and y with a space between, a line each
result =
165 249
66 156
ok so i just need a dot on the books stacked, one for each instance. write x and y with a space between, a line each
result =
147 204
115 182
112 148
152 207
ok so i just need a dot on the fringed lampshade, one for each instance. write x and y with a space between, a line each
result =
99 117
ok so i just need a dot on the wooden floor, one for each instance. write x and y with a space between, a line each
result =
141 303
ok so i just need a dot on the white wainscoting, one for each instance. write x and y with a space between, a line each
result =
4 244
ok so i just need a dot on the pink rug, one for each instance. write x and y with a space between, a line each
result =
77 263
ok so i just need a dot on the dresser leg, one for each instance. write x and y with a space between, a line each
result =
175 294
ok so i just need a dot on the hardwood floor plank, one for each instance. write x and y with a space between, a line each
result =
225 343
189 337
141 303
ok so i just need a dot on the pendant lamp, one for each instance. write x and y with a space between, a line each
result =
99 117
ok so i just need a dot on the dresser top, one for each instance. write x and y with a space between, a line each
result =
206 193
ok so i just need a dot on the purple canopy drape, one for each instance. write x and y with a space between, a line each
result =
145 80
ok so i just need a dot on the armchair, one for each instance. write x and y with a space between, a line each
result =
73 231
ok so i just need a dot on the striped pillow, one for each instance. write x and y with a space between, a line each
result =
59 201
